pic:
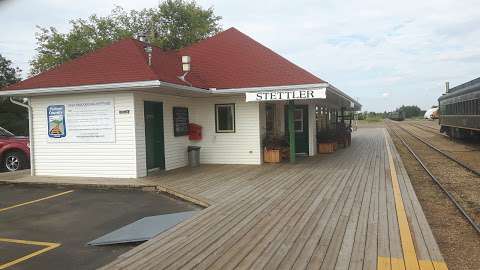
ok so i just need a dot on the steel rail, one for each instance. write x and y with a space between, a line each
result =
418 124
422 127
459 162
449 195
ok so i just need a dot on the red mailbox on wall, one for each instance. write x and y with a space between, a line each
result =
194 132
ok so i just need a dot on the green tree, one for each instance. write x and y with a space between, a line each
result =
172 25
8 73
12 117
410 111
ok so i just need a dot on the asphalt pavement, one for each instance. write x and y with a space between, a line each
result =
47 227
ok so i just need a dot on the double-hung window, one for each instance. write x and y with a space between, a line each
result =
225 118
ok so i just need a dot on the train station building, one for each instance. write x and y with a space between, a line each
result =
131 108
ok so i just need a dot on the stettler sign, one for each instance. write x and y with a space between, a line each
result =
276 95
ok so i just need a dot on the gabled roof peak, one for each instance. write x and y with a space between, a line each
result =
229 59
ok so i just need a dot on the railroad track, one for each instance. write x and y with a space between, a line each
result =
444 153
459 204
424 126
427 129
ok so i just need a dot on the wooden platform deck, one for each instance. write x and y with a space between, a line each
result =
354 209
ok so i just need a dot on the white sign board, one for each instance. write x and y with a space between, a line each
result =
275 95
91 121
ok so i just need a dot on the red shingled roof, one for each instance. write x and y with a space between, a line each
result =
229 59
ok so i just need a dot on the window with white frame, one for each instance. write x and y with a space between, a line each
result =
225 118
298 120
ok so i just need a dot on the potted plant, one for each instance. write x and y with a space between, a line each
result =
275 148
326 142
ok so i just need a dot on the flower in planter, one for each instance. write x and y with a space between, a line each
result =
275 142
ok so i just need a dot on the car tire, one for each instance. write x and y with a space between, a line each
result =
14 161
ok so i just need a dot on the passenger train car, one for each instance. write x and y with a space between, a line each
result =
460 110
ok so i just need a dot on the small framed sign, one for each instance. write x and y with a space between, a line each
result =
180 121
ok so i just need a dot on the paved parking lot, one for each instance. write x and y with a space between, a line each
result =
48 227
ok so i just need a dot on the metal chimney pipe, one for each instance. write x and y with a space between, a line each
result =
149 50
447 87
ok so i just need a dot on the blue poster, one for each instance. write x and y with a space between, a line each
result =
56 121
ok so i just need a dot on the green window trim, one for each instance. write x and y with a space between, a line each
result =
225 118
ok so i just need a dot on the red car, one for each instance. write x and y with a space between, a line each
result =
14 151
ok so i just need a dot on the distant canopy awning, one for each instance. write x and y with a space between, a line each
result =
293 94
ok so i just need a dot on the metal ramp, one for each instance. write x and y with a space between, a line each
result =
142 230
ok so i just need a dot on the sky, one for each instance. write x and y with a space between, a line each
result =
383 53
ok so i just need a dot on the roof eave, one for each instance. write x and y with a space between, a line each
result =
357 106
99 88
267 88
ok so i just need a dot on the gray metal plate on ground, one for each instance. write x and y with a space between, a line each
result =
142 229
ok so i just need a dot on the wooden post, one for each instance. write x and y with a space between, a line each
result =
291 130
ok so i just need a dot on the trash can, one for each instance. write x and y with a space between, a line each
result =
193 156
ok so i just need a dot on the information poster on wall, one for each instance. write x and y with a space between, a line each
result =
88 121
56 121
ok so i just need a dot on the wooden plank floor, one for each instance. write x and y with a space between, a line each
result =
354 209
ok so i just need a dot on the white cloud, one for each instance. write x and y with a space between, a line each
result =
385 95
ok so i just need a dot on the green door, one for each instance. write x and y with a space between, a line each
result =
155 147
300 122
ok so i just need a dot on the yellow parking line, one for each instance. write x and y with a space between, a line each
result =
37 200
48 246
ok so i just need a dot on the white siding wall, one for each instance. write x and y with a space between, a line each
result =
126 157
241 147
85 159
175 147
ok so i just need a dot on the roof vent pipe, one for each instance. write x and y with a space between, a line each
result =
447 87
148 50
